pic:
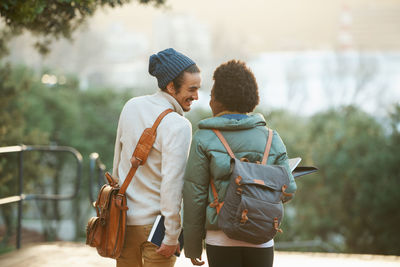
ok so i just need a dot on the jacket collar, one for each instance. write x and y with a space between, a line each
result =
228 113
222 123
169 101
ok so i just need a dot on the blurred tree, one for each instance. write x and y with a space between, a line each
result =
352 78
297 88
386 203
100 108
13 131
86 120
196 115
51 19
34 113
353 197
293 130
53 109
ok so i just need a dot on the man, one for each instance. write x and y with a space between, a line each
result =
156 187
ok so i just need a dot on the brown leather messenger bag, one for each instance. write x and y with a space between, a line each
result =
106 231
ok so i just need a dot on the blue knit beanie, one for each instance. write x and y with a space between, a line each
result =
167 65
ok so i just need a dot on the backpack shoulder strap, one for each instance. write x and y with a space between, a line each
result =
267 147
142 149
216 204
224 142
232 155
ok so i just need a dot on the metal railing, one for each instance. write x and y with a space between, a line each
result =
95 164
20 197
96 180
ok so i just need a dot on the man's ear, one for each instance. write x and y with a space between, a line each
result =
170 88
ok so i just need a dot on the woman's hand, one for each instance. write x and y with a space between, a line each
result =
196 261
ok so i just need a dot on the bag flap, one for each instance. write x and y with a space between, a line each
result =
271 176
105 195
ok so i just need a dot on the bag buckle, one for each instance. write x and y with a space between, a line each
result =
135 161
119 202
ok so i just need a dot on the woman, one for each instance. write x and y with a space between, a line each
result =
233 96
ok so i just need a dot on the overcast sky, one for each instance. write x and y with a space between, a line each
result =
258 24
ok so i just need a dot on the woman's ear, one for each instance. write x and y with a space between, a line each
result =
216 106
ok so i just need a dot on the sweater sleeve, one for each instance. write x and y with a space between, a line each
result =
195 193
175 143
117 149
283 160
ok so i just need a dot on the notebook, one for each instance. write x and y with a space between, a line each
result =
298 171
157 233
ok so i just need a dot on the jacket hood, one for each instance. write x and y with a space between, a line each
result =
222 123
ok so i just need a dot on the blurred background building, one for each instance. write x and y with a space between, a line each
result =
302 52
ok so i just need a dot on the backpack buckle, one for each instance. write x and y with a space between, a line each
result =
276 225
284 194
239 191
238 179
244 216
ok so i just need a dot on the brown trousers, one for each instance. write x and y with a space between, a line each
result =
137 252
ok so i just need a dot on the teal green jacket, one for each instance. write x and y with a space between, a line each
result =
208 159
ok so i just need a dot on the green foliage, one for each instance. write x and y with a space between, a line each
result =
38 114
197 115
348 146
5 36
13 84
53 19
295 141
353 196
100 109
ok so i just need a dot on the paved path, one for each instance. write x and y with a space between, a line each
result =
66 254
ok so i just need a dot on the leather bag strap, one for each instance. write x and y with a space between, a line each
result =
136 161
159 119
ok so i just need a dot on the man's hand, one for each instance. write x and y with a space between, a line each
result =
197 262
168 250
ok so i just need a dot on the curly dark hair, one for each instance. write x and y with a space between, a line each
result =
235 87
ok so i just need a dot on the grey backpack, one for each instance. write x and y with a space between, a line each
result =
252 210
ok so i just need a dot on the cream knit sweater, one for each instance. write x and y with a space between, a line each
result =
156 187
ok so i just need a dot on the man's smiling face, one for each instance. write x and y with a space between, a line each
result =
188 90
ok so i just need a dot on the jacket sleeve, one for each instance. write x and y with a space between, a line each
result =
195 192
283 160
